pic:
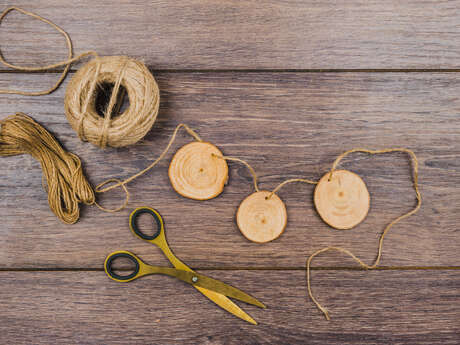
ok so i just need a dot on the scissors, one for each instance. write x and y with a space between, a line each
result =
213 289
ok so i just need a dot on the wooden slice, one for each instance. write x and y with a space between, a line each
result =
196 174
343 202
261 220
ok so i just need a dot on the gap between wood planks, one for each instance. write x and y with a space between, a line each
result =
325 268
276 70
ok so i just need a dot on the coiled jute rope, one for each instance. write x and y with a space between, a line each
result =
122 72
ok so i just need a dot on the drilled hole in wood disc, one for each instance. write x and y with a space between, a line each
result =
196 174
261 220
342 202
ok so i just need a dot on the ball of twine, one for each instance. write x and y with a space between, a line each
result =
110 130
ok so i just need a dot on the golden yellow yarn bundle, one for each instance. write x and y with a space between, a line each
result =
66 184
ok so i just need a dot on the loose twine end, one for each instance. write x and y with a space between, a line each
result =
385 231
65 63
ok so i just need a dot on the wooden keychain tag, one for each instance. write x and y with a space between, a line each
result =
342 199
197 172
262 217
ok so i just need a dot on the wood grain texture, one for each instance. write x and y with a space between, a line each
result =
286 125
254 34
384 307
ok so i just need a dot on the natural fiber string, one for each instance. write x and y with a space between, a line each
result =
282 184
66 184
123 183
385 231
65 63
254 176
143 92
251 170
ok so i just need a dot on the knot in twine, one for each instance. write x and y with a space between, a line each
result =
131 125
66 183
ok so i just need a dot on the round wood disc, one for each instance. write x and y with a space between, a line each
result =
261 220
196 174
343 202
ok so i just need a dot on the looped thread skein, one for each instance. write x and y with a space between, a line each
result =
66 183
111 130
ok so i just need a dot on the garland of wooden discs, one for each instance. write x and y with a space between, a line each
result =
199 171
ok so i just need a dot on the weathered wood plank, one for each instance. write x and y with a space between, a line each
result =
286 125
385 307
244 35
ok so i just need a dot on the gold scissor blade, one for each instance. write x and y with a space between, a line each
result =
225 289
226 304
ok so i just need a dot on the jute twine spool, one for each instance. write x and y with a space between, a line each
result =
80 99
130 126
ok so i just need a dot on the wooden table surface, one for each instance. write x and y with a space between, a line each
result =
287 86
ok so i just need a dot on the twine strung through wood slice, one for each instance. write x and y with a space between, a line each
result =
261 216
292 180
255 178
385 231
115 130
66 183
196 173
342 200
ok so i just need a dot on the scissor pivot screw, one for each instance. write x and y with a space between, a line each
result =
194 279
